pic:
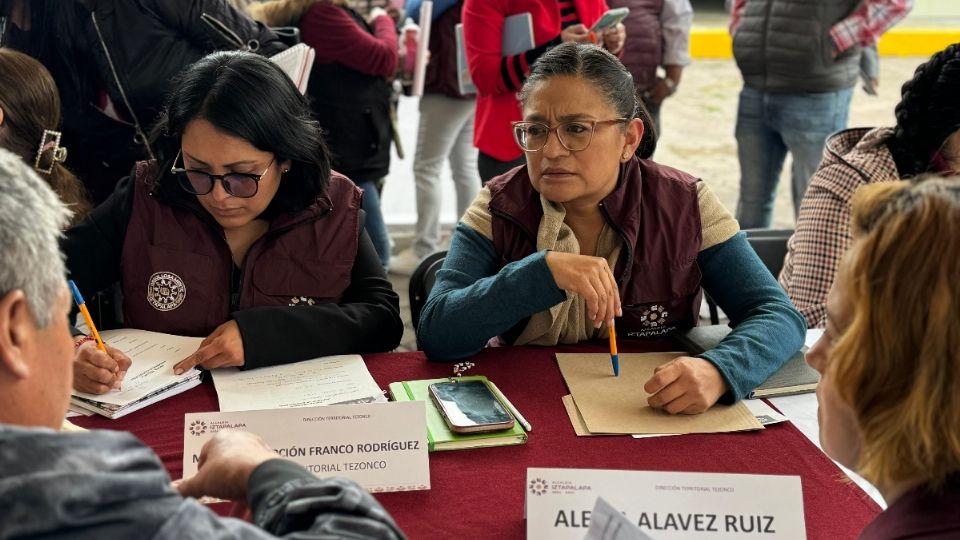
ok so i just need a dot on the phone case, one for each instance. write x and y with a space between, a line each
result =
475 426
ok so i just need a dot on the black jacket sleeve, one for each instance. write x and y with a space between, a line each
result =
366 320
93 246
279 489
184 16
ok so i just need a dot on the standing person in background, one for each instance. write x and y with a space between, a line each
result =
29 114
800 61
113 62
659 33
445 131
498 78
350 91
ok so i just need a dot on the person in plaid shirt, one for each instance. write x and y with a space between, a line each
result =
925 139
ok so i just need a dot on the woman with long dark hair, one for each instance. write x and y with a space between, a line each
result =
239 232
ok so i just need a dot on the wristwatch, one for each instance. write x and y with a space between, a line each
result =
671 86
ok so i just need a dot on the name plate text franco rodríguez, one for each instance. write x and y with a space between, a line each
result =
666 505
381 446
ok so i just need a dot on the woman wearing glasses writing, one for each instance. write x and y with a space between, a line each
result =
590 233
240 233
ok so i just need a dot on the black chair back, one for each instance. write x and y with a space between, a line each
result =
771 247
421 282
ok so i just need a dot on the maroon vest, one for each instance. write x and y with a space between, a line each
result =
176 268
643 50
655 211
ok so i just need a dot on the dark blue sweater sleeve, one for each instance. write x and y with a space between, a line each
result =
767 329
472 301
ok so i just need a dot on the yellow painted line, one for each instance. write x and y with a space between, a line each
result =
713 42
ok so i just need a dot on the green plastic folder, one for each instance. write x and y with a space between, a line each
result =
439 436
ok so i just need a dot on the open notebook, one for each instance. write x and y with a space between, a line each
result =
150 378
296 62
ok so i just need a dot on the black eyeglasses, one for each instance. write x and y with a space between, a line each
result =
242 185
575 135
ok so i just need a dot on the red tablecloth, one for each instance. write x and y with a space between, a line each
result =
480 493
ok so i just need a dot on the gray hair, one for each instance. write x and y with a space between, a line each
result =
31 218
605 72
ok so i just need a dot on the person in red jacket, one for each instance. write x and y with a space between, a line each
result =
498 78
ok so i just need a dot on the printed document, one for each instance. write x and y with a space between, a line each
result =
150 377
329 380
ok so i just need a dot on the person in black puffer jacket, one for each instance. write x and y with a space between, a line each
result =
113 61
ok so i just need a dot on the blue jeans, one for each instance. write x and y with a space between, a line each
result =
375 226
768 125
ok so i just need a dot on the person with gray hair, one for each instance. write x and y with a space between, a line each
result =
106 484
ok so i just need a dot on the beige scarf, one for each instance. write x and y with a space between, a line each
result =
566 322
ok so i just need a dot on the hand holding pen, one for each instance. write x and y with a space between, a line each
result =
97 367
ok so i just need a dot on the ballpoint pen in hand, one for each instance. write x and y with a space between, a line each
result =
614 357
86 315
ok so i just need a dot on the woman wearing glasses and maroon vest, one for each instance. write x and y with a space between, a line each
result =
590 233
240 233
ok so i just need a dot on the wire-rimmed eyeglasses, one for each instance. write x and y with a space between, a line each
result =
574 135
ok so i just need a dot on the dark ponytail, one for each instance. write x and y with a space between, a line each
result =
928 112
604 71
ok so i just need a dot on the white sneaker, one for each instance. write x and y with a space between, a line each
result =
404 263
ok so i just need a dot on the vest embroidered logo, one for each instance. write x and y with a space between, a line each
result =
301 301
166 291
654 316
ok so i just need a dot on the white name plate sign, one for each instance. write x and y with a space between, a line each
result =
666 504
381 446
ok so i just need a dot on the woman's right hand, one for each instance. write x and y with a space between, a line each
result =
592 279
98 372
576 32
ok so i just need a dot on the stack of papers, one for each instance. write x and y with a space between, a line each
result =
296 62
618 405
150 378
330 380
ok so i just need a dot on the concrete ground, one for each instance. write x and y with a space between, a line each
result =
697 123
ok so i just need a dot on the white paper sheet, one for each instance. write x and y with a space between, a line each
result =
322 381
608 523
153 355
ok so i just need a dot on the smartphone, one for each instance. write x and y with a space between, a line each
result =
610 18
470 407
